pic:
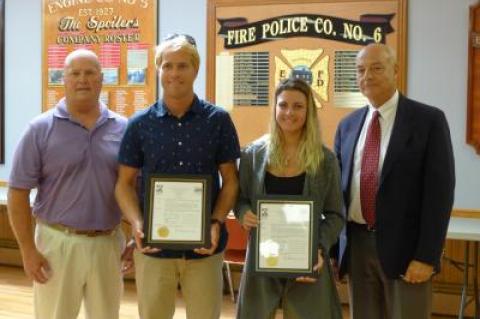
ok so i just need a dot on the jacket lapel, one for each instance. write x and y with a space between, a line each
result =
260 166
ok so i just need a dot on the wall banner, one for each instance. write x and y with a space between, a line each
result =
371 28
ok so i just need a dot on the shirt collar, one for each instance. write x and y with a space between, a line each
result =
61 110
388 108
161 109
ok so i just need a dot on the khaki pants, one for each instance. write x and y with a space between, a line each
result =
83 268
200 280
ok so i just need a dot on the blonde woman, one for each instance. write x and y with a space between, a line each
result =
291 160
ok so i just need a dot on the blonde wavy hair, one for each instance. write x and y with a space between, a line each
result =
310 150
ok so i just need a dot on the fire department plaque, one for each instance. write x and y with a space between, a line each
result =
253 45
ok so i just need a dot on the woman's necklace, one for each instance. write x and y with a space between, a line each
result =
290 157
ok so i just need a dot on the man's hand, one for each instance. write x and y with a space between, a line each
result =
128 265
214 236
19 212
249 221
317 267
418 272
36 266
137 232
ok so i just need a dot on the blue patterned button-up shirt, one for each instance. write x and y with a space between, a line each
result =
197 143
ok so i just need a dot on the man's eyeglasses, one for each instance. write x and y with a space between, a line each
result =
187 37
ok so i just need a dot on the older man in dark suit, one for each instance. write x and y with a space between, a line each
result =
398 182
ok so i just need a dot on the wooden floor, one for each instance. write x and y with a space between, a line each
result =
16 299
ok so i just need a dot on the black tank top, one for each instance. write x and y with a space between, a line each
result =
275 185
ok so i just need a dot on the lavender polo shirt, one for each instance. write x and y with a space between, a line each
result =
74 169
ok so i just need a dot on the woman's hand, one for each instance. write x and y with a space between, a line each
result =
317 268
249 220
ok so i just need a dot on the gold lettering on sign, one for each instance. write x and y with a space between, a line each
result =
54 6
353 31
241 36
68 24
78 39
324 26
284 26
122 38
115 23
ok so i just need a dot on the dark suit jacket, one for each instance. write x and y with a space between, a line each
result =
416 188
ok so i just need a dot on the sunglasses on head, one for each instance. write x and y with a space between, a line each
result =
187 37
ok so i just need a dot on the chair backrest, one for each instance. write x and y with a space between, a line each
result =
237 236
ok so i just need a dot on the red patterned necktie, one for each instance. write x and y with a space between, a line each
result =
369 170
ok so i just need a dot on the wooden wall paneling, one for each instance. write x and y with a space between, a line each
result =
473 87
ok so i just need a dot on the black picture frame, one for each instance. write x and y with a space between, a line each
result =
204 241
313 239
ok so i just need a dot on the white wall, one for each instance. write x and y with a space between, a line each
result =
437 75
190 17
22 71
437 64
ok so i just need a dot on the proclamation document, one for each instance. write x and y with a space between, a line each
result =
178 212
286 237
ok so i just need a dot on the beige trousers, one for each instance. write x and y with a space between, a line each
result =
83 268
201 282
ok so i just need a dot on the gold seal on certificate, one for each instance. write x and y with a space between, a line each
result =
178 211
271 261
163 231
286 237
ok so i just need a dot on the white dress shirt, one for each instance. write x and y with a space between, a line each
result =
387 117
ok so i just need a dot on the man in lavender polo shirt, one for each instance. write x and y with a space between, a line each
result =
69 155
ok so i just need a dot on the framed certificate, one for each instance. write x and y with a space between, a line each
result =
286 237
178 211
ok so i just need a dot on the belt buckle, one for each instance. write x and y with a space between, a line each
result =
371 228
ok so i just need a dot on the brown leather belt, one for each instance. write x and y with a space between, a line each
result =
88 233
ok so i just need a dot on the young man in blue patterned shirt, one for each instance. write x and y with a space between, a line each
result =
180 134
